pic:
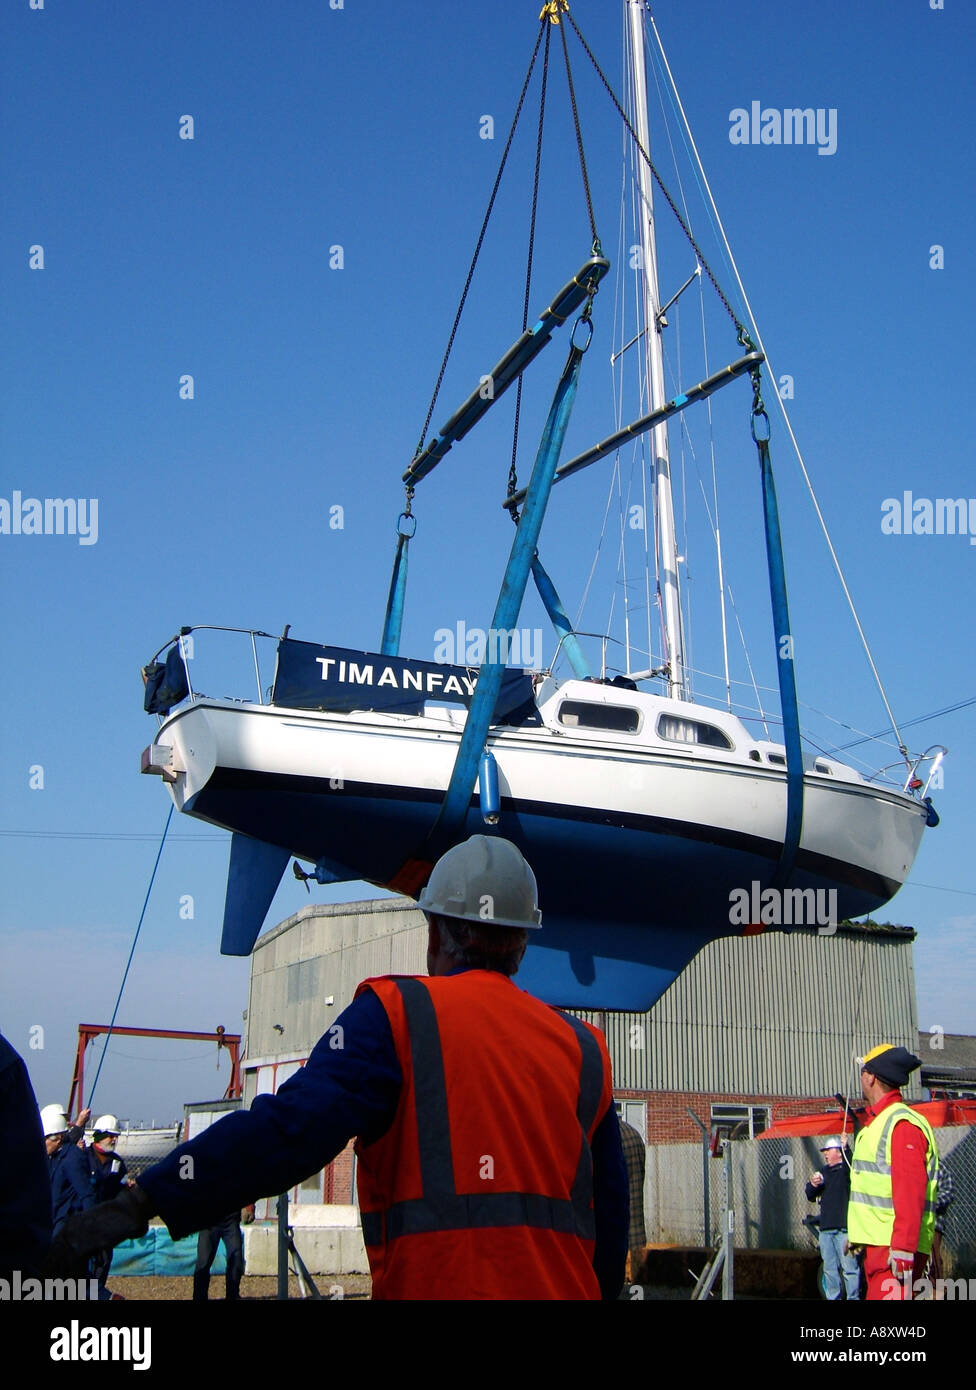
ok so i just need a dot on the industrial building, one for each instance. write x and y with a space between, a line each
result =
758 1027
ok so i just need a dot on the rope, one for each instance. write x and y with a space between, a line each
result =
512 470
579 137
481 237
857 1017
657 178
125 975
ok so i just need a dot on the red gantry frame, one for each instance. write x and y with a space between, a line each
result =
89 1031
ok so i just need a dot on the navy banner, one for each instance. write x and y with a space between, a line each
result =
335 678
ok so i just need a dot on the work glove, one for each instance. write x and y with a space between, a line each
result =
901 1263
123 1218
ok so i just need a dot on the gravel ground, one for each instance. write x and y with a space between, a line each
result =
253 1287
264 1288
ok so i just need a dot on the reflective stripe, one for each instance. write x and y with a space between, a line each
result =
590 1091
478 1211
442 1208
429 1088
873 1201
880 1166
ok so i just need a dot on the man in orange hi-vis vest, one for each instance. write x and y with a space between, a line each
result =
489 1157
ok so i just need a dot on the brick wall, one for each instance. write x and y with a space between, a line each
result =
343 1191
668 1121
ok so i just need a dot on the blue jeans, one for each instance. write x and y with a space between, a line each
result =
836 1263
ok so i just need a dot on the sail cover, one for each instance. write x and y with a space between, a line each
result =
309 676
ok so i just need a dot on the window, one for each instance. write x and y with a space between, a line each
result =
633 1112
310 1191
778 759
822 767
580 714
677 730
754 1118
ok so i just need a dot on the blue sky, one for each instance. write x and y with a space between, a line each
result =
361 127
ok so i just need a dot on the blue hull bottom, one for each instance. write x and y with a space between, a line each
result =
627 901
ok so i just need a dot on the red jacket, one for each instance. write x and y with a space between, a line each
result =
482 1186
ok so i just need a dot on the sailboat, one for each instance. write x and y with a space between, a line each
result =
654 822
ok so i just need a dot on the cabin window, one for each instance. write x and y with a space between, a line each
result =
822 767
678 730
777 758
580 714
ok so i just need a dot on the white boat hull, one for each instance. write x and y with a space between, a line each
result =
638 847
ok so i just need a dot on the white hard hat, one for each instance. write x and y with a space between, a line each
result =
52 1120
830 1144
106 1124
485 879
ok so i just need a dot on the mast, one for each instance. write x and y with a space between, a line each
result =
654 360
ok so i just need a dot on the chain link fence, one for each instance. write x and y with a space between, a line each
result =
769 1181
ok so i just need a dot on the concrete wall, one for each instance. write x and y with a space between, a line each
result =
329 1240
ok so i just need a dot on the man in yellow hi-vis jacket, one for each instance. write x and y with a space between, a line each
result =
893 1178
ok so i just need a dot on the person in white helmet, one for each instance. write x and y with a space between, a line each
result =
489 1155
72 1133
72 1181
109 1174
831 1187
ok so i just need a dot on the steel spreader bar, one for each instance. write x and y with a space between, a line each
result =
647 422
510 368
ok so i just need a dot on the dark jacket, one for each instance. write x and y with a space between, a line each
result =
107 1177
25 1194
72 1183
833 1196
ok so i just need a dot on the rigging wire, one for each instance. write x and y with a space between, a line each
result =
125 973
789 427
677 375
657 177
919 719
579 138
530 255
480 242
